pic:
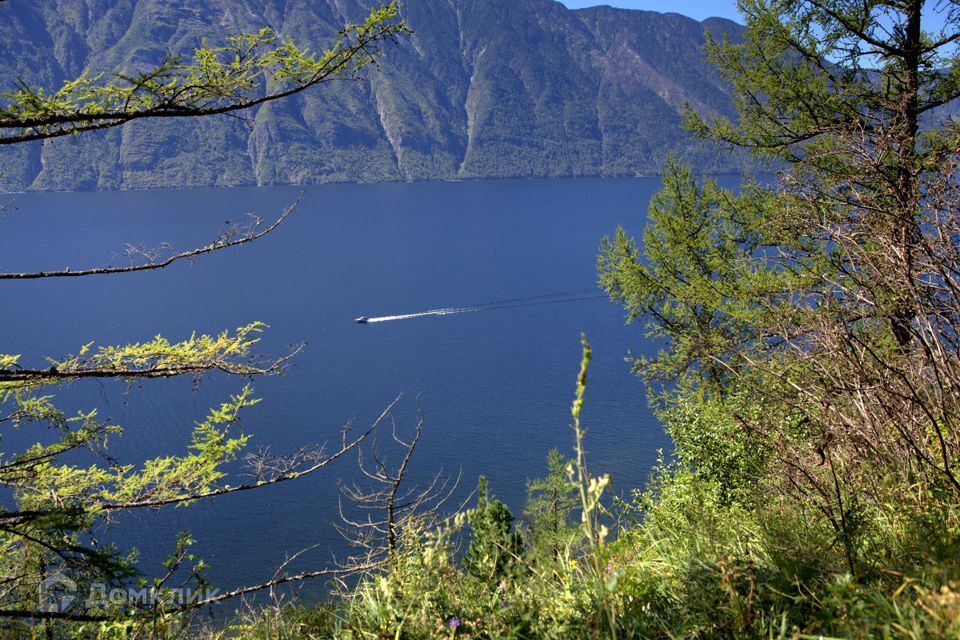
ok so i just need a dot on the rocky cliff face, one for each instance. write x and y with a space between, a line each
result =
483 88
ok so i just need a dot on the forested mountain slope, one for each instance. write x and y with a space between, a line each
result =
483 88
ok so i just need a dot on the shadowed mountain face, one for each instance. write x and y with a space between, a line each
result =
483 88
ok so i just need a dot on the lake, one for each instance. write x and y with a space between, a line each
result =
494 385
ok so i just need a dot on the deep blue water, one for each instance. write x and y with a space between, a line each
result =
494 386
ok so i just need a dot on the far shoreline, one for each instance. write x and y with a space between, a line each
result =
306 185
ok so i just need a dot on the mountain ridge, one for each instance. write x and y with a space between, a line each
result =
481 89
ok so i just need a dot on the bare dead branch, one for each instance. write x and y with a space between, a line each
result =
233 237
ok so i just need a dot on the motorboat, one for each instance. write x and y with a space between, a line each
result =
362 320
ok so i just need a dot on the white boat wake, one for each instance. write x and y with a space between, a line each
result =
554 298
423 314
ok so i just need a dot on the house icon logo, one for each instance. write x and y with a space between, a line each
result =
57 593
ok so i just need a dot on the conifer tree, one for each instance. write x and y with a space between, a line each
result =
550 503
812 321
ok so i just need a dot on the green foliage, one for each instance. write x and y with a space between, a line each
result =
808 379
684 560
217 80
696 568
158 358
494 544
793 316
47 549
709 439
45 532
550 503
808 376
57 503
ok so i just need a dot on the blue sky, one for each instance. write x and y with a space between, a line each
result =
698 9
701 9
